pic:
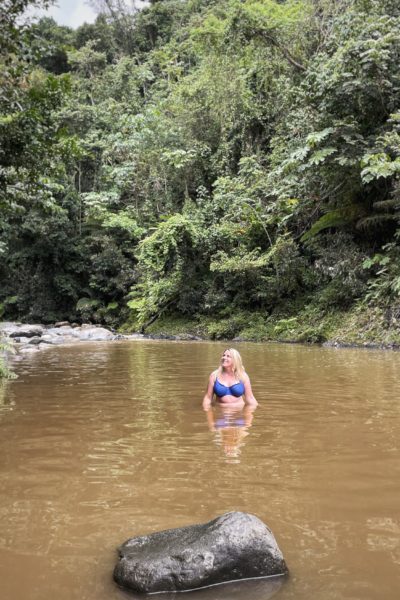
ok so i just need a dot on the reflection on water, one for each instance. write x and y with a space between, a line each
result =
102 442
230 426
256 589
6 404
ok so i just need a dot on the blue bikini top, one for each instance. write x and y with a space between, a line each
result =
237 389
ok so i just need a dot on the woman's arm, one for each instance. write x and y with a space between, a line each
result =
209 393
248 393
248 414
210 419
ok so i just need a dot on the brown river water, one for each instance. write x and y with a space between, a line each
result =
100 442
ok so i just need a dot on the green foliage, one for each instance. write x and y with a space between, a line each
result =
86 303
334 218
5 371
210 160
228 328
379 165
383 287
163 259
339 271
6 304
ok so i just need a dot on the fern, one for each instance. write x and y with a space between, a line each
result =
389 204
334 218
375 221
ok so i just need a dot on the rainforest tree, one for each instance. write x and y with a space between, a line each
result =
203 159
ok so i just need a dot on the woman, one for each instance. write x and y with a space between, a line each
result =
230 383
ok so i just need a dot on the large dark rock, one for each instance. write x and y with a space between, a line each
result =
234 546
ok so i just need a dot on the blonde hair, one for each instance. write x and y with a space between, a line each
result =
238 367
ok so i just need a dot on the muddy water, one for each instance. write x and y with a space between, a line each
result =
102 442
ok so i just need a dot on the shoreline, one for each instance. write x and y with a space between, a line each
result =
12 350
26 339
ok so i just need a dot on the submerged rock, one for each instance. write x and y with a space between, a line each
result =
29 349
233 546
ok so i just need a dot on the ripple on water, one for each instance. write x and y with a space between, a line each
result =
106 441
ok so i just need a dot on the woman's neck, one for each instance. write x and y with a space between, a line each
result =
228 371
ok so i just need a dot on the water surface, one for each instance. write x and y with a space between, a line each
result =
100 442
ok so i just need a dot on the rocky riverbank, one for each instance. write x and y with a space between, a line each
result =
30 338
361 327
27 338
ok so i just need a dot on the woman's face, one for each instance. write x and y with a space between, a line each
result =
226 360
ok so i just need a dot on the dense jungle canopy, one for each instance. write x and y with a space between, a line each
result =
231 163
